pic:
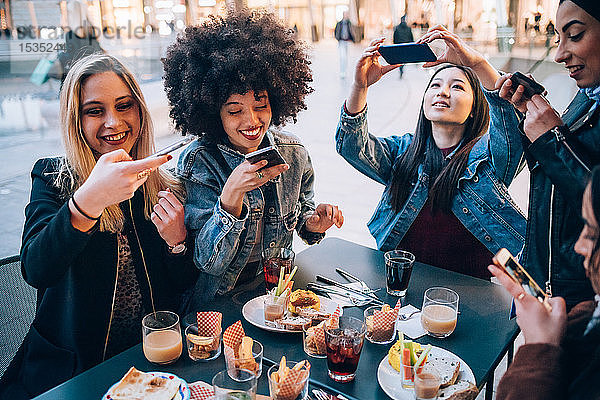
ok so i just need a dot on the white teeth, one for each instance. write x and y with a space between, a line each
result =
253 132
115 138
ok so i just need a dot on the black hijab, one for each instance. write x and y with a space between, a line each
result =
592 7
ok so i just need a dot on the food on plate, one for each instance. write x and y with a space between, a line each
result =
140 385
245 357
293 323
304 299
316 316
448 368
381 331
396 352
288 383
202 347
461 390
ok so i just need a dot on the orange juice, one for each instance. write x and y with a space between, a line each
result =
438 320
162 347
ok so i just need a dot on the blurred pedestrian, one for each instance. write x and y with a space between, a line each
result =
402 34
344 35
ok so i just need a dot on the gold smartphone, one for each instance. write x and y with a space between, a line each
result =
505 261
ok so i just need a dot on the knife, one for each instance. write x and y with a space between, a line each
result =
351 277
348 289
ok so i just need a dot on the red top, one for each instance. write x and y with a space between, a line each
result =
440 239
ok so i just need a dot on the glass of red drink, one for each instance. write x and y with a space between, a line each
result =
398 268
273 260
344 345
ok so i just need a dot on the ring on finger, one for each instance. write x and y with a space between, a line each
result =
520 296
144 173
259 175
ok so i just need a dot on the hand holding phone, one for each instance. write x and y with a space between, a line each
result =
171 148
506 262
531 86
406 53
271 154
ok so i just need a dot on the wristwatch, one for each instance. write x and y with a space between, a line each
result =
179 248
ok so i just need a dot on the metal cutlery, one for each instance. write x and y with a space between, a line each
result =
334 290
351 290
350 277
320 394
406 317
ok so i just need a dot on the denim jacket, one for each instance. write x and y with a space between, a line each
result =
223 243
482 202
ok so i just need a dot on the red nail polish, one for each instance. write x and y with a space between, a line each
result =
169 157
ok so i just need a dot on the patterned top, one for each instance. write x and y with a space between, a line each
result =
125 330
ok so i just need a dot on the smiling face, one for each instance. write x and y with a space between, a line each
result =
246 118
578 34
588 238
110 116
449 98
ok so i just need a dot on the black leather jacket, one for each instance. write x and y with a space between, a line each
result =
75 274
560 166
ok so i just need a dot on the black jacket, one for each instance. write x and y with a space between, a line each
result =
75 274
559 172
338 30
403 33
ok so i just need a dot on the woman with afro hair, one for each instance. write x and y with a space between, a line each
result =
231 81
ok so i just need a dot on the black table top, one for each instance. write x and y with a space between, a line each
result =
482 336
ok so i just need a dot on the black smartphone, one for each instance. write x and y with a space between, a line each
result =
271 154
407 53
505 261
171 148
531 86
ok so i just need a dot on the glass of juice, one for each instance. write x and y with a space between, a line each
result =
273 259
427 382
438 314
161 337
274 308
398 267
344 345
234 384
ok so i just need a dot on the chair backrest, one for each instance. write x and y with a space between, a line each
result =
17 309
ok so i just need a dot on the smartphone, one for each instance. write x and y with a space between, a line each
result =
407 53
531 86
271 154
505 261
171 148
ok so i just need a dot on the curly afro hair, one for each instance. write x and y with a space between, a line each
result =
244 51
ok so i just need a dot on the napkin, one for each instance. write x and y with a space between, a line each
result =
411 328
209 323
203 391
291 386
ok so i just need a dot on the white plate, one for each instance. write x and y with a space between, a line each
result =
253 312
390 380
183 393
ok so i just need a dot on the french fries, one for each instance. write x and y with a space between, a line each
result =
287 383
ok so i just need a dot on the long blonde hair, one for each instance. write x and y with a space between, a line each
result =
80 160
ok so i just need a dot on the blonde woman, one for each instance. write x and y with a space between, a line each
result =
104 236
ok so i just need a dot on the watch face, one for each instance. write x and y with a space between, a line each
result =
178 248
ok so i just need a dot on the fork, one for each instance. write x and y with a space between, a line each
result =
406 317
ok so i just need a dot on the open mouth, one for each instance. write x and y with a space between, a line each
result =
117 138
251 134
440 104
574 69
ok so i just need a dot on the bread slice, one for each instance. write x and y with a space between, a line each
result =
448 368
140 385
293 323
461 390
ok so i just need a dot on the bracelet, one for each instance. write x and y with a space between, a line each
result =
82 212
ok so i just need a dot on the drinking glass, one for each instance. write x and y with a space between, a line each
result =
253 364
202 348
438 314
161 337
311 344
296 391
427 382
273 259
234 384
344 345
398 267
381 334
274 308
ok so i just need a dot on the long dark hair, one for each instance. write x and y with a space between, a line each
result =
595 197
423 150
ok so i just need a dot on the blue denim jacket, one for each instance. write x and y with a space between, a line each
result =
223 243
482 202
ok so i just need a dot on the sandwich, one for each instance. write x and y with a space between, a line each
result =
293 323
303 299
461 390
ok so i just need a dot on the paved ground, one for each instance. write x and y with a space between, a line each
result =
393 108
